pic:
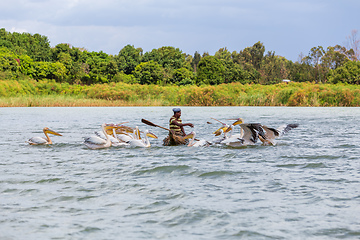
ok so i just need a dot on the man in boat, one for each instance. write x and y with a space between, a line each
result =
177 131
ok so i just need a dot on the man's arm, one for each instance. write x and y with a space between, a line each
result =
182 124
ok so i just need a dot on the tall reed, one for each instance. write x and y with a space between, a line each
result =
50 93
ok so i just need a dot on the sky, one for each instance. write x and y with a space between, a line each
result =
288 28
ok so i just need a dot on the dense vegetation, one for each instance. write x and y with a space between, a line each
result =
31 55
51 93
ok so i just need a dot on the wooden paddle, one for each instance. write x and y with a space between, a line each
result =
152 124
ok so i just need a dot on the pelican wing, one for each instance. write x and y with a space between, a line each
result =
233 141
270 133
141 142
286 128
37 141
201 143
138 143
124 137
120 144
100 134
251 132
238 143
94 140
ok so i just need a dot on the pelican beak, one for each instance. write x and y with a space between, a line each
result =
109 129
149 134
218 132
238 121
53 132
190 135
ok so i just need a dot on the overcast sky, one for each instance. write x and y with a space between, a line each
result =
286 27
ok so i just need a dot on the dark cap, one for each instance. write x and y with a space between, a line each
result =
175 110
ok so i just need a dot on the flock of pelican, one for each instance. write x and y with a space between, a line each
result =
249 133
110 135
120 135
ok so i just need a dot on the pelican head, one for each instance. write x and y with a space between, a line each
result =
48 130
238 121
109 128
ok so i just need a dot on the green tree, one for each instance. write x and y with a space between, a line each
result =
273 69
99 66
336 56
195 61
48 70
8 60
252 55
348 73
26 65
183 76
149 73
35 46
300 72
167 57
128 58
233 71
314 59
60 49
210 71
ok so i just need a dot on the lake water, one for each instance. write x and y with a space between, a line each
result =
305 187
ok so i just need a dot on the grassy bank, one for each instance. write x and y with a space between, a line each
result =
48 93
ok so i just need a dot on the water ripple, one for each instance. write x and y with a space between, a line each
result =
304 187
162 169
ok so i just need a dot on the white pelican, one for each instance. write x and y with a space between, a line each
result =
248 136
228 133
41 140
222 131
197 143
223 127
115 142
142 142
96 142
124 137
271 133
120 142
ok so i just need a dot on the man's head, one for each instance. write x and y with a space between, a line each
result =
177 112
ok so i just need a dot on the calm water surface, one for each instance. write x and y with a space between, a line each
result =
305 187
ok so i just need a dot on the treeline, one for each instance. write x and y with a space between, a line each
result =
23 55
